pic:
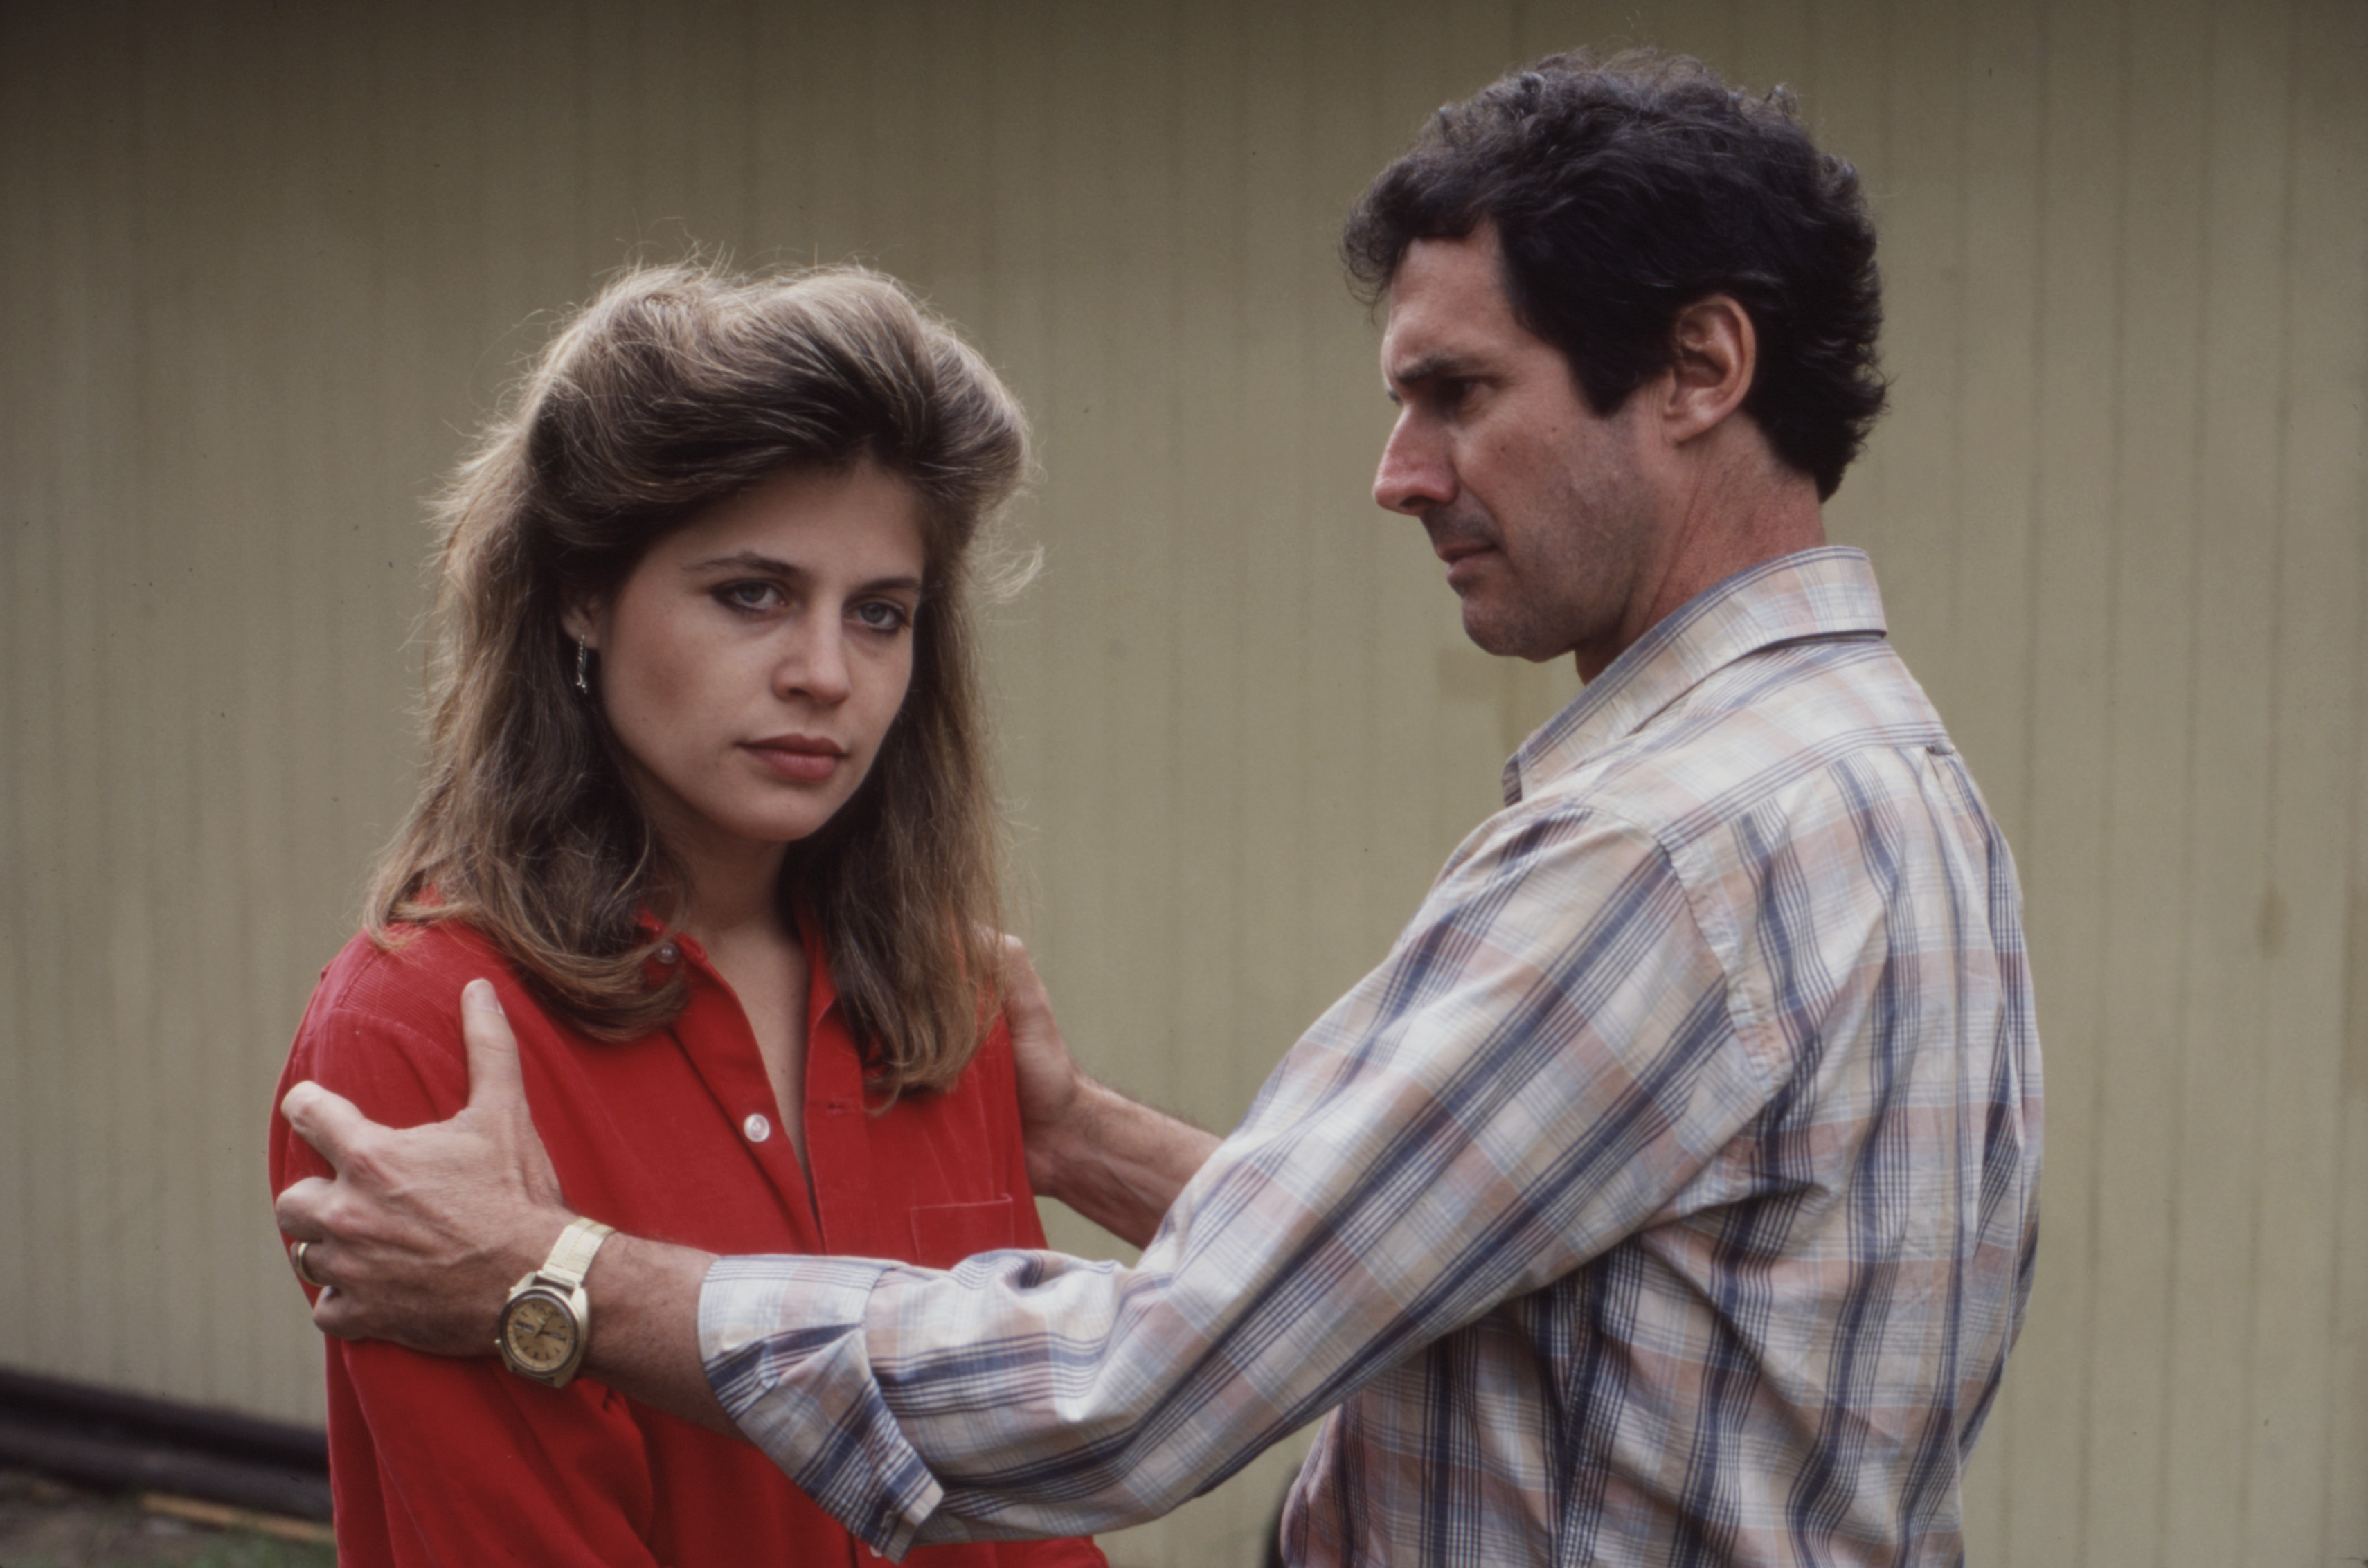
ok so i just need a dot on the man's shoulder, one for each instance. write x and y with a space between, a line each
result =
1779 786
1773 728
1814 759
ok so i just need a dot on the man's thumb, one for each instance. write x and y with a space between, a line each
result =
496 1084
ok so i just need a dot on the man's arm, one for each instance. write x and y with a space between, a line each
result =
423 1231
1114 1159
1539 1066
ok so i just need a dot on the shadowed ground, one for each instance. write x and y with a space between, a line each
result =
49 1524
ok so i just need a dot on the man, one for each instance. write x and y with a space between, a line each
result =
1668 1194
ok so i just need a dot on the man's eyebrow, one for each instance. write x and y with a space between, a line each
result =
1429 367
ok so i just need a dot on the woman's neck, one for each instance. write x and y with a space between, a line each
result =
734 908
730 895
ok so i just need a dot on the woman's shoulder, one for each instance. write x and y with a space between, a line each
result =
383 1026
985 1092
405 981
991 1067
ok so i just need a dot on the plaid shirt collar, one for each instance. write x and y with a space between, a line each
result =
1827 592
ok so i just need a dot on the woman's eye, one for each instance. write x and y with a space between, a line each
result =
882 615
752 596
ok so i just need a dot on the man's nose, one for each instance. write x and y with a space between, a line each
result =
1414 474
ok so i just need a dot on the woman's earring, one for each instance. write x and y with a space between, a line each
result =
583 658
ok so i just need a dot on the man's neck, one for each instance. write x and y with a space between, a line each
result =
1742 507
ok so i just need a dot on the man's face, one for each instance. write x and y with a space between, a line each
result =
1538 504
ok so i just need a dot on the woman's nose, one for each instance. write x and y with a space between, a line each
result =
815 665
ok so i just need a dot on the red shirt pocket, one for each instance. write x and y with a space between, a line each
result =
945 1233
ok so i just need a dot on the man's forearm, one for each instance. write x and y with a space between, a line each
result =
645 1339
1116 1161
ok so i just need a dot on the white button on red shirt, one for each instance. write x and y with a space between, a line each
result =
756 1127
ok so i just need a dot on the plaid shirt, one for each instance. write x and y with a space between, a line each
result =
1667 1196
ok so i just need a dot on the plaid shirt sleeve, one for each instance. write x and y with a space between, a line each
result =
1544 1065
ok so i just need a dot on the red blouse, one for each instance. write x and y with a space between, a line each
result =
673 1137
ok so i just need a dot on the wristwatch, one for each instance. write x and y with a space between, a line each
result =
544 1324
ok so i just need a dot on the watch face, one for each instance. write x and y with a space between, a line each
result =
539 1333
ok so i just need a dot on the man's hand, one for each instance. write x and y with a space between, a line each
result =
423 1231
1114 1159
1052 1088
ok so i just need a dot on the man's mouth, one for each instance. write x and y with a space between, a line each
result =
1466 556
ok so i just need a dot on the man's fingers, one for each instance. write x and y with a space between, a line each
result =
1048 1078
337 1315
1026 1007
325 1120
495 1082
304 1258
297 1210
1021 984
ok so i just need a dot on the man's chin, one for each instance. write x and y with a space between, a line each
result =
1506 637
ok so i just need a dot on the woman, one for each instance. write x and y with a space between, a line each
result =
705 794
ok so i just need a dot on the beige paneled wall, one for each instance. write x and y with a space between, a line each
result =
261 265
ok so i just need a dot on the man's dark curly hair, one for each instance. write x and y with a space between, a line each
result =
1624 189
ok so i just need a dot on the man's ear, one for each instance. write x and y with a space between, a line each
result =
1713 355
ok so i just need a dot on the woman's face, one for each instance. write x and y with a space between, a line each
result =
755 658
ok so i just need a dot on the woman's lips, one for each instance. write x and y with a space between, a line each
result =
803 759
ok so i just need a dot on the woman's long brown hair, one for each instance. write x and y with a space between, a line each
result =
677 387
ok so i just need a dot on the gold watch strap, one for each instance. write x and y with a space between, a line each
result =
570 1255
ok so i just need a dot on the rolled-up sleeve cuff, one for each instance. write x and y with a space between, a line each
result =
785 1350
